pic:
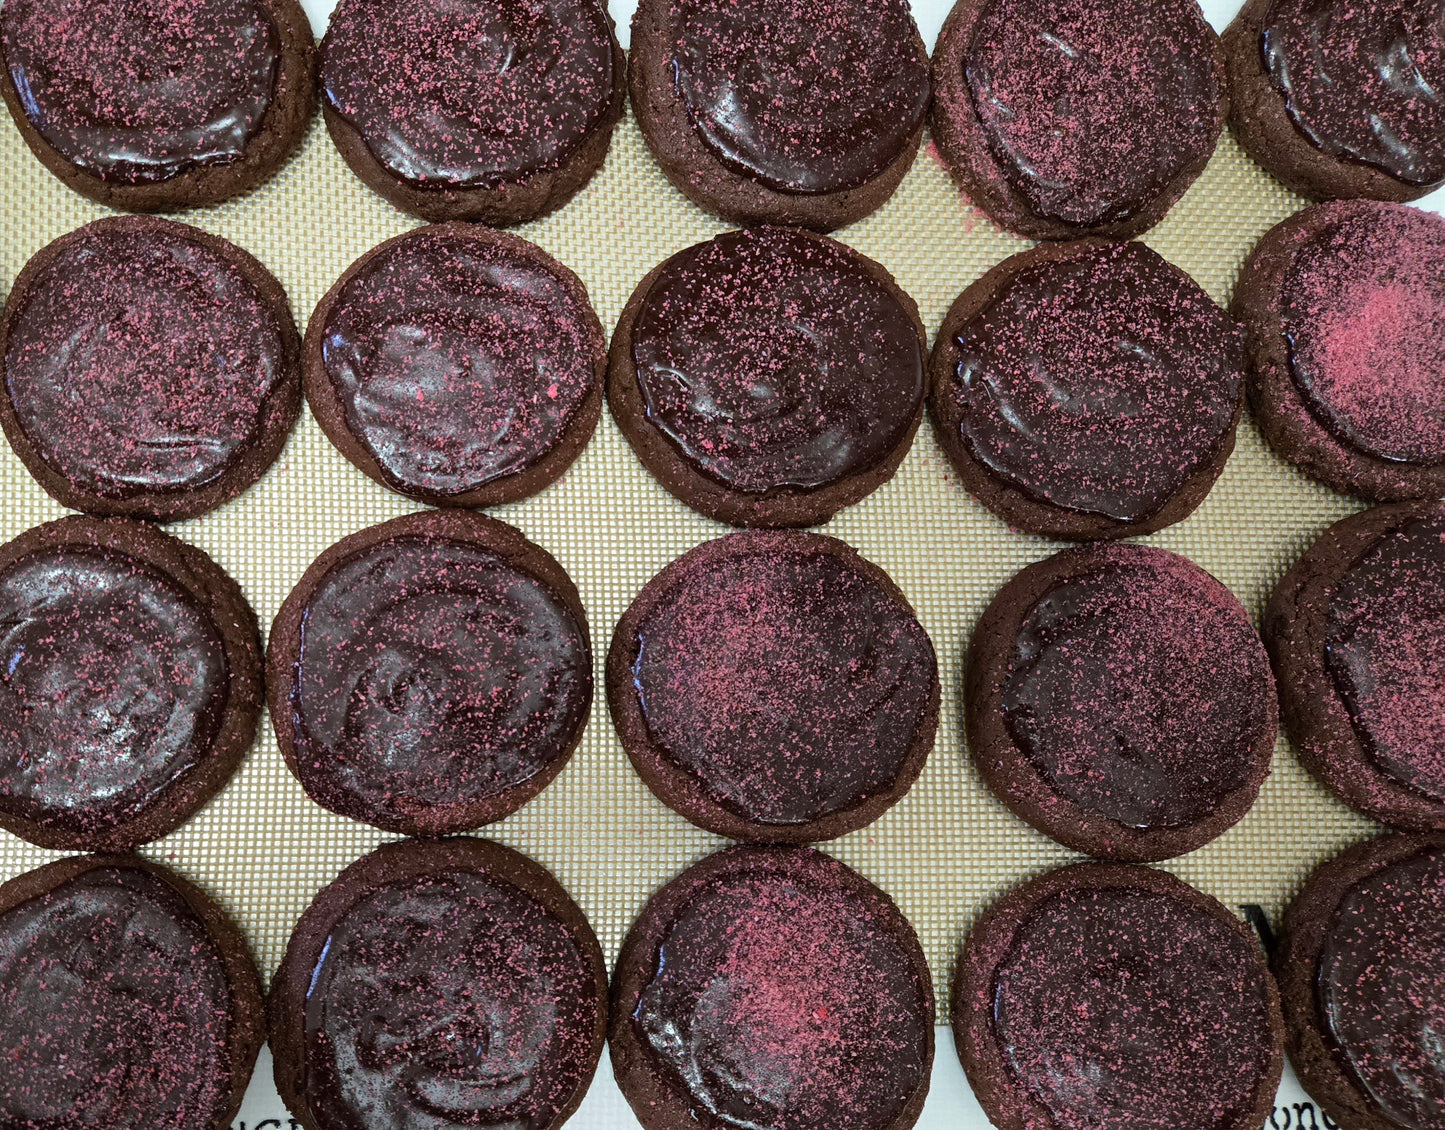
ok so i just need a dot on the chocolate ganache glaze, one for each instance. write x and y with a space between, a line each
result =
139 93
469 93
1168 1015
1380 991
456 361
115 1008
779 1000
1099 383
783 678
112 684
447 1000
1181 676
1093 107
769 358
1385 653
141 361
802 97
433 672
1362 304
1364 81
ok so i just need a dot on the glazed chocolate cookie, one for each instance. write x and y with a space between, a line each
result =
1066 118
1341 99
490 110
794 995
1087 390
127 998
1342 306
1361 970
457 365
769 377
131 687
1104 995
774 686
439 984
162 105
431 674
771 112
1119 700
1357 633
150 369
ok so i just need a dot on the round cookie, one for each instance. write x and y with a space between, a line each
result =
1087 390
1118 699
490 110
457 365
1356 630
1111 995
158 106
794 995
438 984
770 112
1360 972
1068 118
775 686
1339 99
150 369
430 674
127 998
132 685
769 377
1341 306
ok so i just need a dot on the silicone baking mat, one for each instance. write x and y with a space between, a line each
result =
944 852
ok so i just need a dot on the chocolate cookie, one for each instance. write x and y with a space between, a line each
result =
771 112
1105 995
457 365
127 998
1341 99
1119 700
1087 390
1066 118
439 984
1342 306
431 674
1357 633
163 105
774 686
149 369
131 688
769 377
1361 969
490 110
794 995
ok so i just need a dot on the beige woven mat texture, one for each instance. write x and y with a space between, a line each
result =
948 848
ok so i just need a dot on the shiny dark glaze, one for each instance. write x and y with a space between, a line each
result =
1364 81
1099 384
789 684
141 362
780 1003
1385 653
449 1000
1119 1008
433 672
768 359
457 362
112 684
1380 989
469 93
1090 108
802 98
1137 695
115 1009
